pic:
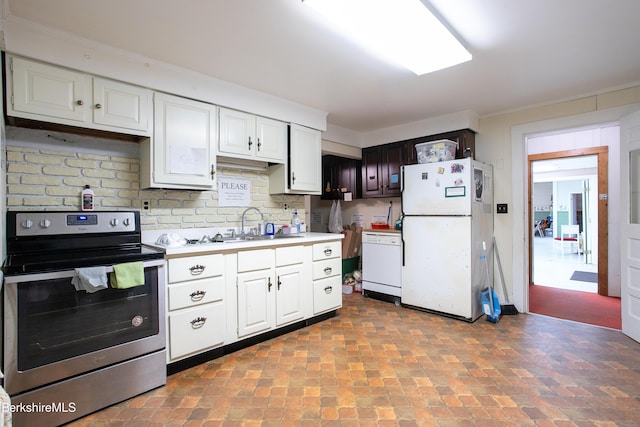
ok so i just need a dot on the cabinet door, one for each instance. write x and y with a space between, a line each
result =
256 302
184 150
339 176
289 283
394 158
305 150
120 105
237 133
44 90
371 173
271 140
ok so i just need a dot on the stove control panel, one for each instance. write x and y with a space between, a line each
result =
53 223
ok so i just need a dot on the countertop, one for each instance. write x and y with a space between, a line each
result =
212 248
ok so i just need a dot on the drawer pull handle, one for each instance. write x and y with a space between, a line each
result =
197 269
328 289
198 322
279 283
328 251
328 270
197 295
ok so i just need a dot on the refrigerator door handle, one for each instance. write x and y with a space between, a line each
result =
402 236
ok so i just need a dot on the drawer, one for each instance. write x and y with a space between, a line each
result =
194 330
327 268
196 267
259 259
327 294
327 250
196 292
289 255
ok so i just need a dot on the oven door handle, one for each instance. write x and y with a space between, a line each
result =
23 278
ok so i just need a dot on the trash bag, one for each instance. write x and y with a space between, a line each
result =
335 218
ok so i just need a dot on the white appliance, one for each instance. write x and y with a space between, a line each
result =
382 265
447 212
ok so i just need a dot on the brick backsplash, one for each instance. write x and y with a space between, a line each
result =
47 179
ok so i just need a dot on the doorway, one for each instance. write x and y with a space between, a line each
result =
564 211
600 247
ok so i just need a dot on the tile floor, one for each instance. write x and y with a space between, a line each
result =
376 364
553 268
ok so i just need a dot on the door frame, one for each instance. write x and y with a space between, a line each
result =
602 154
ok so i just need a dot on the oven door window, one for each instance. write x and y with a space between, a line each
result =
56 322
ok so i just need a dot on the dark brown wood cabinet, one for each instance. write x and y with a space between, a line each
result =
381 169
341 175
465 138
381 164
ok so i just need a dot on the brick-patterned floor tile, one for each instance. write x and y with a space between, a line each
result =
376 364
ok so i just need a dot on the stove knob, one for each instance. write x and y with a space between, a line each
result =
45 223
27 223
115 222
126 222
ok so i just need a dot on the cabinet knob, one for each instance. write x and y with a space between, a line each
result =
198 322
197 295
98 106
79 102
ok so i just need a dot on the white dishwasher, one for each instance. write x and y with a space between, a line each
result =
382 265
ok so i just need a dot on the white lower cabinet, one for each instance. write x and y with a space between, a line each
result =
197 314
272 285
327 276
218 299
256 309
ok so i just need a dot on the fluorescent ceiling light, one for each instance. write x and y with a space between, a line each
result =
402 31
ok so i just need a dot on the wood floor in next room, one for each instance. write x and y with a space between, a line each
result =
376 364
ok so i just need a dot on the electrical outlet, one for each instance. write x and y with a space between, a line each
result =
145 205
285 207
502 208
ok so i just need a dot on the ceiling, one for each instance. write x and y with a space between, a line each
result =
524 52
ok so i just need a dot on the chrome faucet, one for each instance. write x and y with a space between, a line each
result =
242 233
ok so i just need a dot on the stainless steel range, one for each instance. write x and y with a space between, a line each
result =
74 346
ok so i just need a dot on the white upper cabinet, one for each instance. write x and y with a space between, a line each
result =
245 136
303 173
48 93
182 152
121 105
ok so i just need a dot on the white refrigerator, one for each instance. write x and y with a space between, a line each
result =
447 222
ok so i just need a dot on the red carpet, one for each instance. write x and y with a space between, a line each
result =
583 307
